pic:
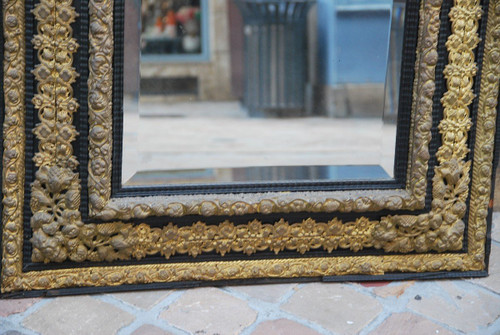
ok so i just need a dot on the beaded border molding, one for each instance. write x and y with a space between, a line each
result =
59 234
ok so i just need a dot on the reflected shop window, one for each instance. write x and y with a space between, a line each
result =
219 91
173 29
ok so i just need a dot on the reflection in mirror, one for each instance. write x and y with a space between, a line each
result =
249 90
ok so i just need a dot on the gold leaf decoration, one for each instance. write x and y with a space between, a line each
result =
440 230
485 139
13 140
443 228
124 241
55 198
449 191
103 207
100 103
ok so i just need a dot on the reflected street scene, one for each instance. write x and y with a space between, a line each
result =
219 91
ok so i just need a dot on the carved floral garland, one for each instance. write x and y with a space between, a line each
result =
55 193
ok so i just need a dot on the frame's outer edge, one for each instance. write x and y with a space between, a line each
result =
13 141
466 11
485 137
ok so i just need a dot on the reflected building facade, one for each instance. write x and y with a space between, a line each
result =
193 50
352 56
184 49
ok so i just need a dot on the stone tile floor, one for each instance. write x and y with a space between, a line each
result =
462 306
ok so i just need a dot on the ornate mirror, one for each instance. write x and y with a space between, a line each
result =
168 143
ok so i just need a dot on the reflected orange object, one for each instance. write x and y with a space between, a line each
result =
159 24
170 18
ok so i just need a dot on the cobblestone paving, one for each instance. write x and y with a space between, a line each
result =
465 306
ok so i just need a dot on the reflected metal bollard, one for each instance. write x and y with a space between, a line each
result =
275 56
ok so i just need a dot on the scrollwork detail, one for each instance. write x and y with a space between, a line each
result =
442 229
100 103
103 207
484 145
423 93
447 208
13 140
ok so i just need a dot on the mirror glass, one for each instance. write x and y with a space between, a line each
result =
219 91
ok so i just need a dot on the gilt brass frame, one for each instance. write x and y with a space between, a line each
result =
450 236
